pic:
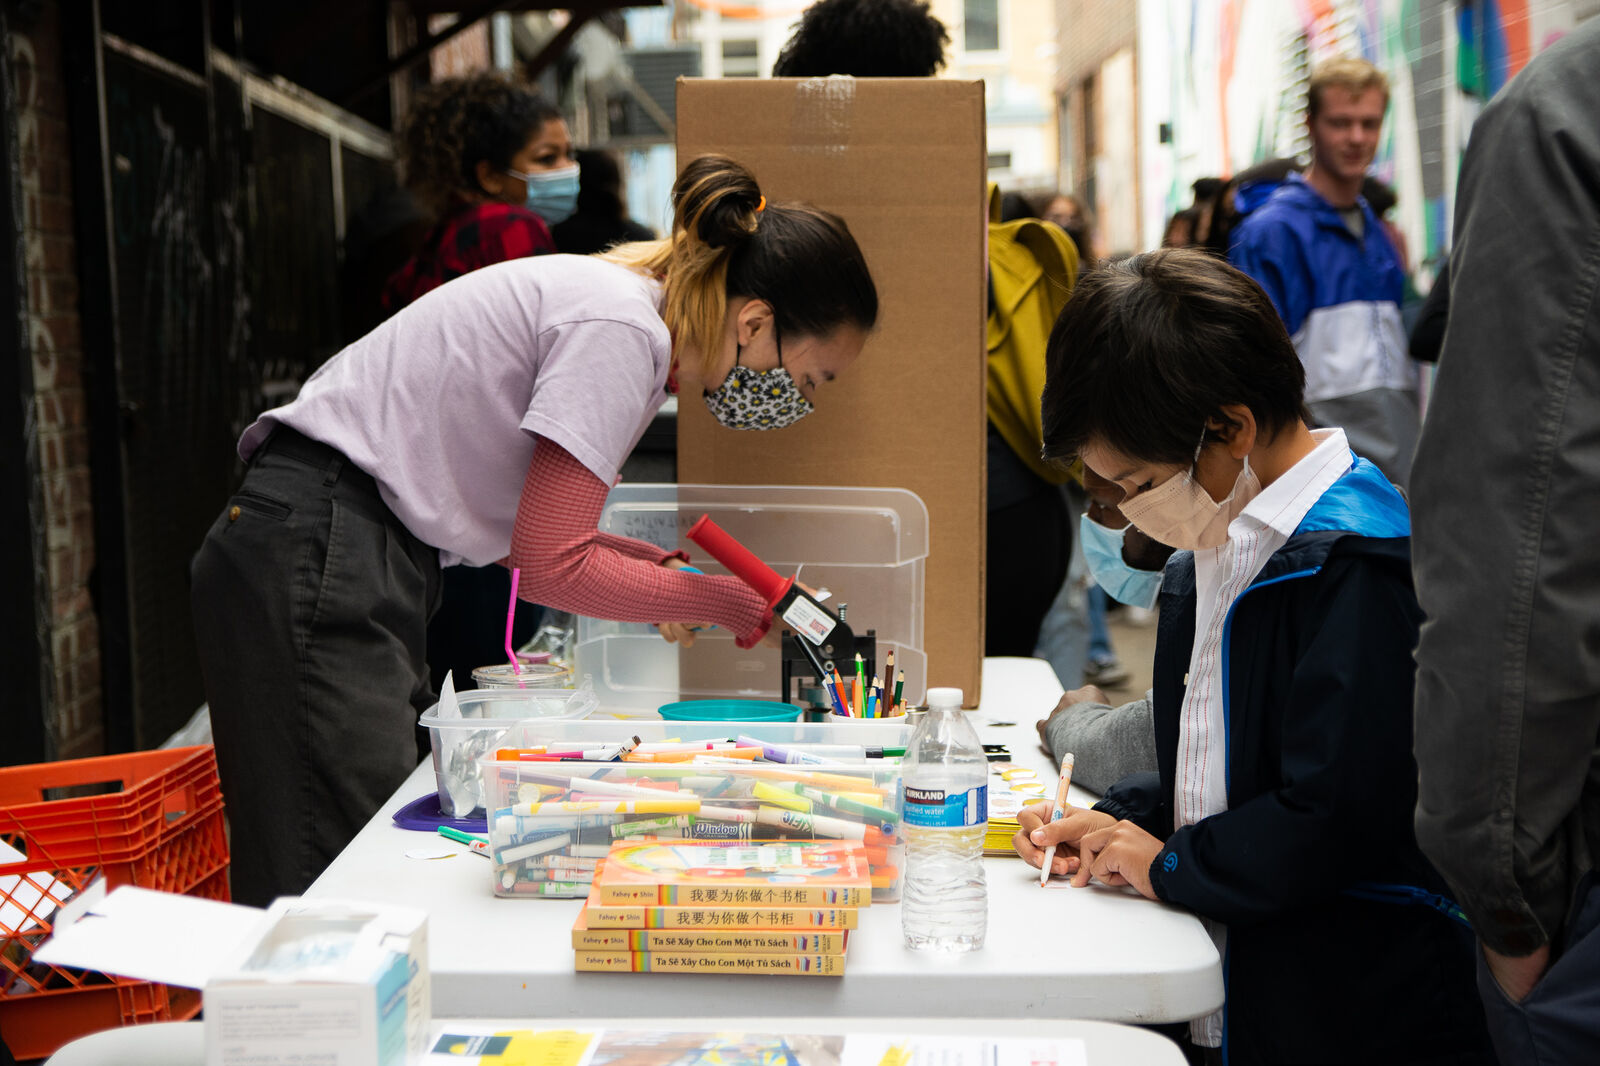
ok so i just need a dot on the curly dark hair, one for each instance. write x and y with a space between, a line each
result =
865 38
455 123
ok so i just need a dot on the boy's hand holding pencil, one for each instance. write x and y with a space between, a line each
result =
1038 832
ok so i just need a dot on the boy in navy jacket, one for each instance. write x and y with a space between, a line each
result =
1281 808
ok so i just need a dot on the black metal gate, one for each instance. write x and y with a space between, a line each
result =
211 204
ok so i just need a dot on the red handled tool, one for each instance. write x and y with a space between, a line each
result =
826 636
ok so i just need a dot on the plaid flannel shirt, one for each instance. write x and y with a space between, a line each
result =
476 235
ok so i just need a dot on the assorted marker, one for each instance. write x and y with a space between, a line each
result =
551 821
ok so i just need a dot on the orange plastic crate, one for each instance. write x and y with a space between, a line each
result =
160 828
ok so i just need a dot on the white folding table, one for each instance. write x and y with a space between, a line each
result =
183 1043
1093 953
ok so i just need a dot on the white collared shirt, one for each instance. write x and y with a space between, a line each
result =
1221 574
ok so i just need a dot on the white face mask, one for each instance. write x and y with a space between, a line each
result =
1181 514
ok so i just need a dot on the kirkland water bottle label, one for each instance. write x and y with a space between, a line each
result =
935 808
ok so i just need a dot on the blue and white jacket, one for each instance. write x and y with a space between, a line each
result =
1341 943
1339 295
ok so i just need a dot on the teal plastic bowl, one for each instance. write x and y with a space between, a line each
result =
730 711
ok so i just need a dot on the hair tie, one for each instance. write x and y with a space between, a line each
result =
762 206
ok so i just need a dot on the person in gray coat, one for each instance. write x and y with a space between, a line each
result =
1506 547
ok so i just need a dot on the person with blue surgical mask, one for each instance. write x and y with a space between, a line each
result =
1109 741
1102 551
551 194
1122 560
490 162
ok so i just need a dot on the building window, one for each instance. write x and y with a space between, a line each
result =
741 59
981 19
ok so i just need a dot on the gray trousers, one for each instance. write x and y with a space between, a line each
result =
311 603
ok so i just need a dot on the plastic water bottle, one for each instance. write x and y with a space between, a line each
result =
945 903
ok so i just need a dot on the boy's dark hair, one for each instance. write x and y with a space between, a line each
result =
1150 348
866 39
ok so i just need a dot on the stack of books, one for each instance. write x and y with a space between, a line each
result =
665 906
1011 788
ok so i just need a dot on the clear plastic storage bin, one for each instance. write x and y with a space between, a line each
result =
867 546
550 823
485 714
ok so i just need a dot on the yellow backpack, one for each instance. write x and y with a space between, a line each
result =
1032 267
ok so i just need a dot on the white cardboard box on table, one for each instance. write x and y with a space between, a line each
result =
338 982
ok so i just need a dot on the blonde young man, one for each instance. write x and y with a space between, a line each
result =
1327 264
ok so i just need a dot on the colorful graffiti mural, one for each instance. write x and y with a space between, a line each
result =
1222 86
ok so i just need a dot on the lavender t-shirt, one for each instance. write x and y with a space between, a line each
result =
441 403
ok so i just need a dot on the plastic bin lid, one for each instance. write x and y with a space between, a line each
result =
486 708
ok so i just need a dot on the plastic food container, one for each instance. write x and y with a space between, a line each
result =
485 714
531 675
730 711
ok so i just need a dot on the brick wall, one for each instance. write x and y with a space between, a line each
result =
55 338
1088 33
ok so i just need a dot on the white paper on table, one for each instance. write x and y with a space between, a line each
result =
1096 885
27 899
135 932
481 1044
871 1049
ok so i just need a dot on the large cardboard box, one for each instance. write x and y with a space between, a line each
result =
903 161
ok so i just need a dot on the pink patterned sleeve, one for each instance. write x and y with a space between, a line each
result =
568 564
637 549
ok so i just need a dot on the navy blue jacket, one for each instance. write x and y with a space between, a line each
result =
1341 946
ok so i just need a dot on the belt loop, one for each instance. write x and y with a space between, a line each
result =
335 466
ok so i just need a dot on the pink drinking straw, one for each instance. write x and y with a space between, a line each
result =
511 616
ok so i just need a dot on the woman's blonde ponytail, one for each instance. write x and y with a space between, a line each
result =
715 209
728 241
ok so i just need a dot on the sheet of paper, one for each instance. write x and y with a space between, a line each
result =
27 899
480 1044
154 936
864 1049
468 1044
